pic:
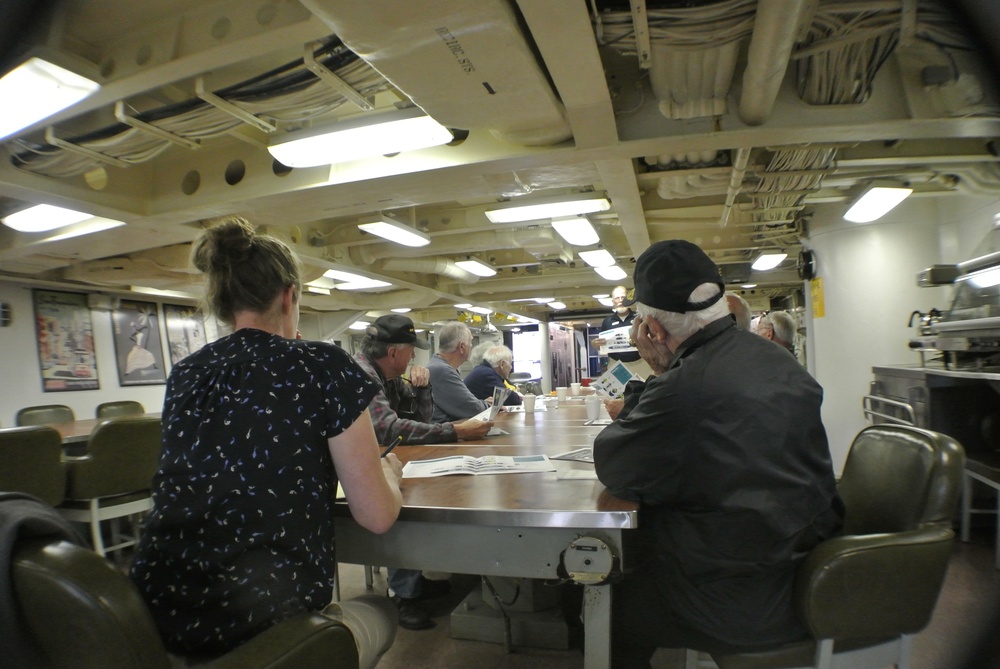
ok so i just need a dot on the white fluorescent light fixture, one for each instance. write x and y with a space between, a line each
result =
353 281
544 300
365 136
394 231
359 325
876 202
402 310
612 273
547 207
39 89
146 290
768 261
477 267
557 305
576 230
95 224
481 310
597 258
44 217
463 306
749 285
316 290
606 301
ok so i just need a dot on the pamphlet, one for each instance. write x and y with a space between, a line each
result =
617 340
490 413
487 464
580 455
612 382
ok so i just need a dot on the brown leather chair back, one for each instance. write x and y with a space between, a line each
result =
45 414
122 457
119 408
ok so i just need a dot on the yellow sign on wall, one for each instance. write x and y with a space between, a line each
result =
816 288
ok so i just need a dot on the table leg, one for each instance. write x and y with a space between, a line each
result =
597 626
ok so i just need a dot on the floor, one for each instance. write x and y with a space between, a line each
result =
963 634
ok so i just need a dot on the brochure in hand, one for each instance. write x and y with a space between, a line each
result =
487 464
612 382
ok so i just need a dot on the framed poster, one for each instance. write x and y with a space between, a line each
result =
138 349
65 336
185 331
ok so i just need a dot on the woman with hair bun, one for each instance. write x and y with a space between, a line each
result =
258 428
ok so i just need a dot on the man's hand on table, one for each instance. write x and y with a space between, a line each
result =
470 430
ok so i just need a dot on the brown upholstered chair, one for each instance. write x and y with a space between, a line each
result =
45 414
31 462
83 613
114 478
864 594
119 408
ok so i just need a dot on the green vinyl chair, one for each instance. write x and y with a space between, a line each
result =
44 414
81 612
119 408
863 595
31 462
114 479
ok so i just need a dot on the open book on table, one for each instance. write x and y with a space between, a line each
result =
487 464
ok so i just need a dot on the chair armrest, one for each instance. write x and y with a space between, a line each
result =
305 641
873 585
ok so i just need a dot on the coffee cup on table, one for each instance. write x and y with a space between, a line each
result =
593 404
529 402
575 388
561 393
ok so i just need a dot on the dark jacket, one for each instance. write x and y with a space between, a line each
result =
728 456
483 379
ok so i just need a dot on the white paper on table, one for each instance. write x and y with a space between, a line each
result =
520 409
598 421
578 475
585 454
487 464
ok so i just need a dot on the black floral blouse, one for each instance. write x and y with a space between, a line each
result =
241 531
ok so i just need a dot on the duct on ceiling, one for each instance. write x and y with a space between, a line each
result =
467 63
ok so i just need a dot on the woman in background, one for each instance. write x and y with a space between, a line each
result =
258 426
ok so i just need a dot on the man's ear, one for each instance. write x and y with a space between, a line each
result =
287 299
656 329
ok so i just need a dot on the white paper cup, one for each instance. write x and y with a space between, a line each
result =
575 387
561 393
529 402
593 404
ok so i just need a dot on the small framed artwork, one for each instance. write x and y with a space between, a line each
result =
65 336
185 331
138 348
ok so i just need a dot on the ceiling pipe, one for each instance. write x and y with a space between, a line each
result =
775 28
735 183
438 265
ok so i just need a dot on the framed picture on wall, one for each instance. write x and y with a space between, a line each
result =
138 349
65 336
185 331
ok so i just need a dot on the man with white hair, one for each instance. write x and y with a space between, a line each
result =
452 399
725 451
779 327
491 373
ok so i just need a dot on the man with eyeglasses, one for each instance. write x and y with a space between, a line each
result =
492 373
403 409
620 316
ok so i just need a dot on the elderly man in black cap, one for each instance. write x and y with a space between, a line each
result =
725 451
402 409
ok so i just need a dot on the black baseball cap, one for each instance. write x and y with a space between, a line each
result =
667 272
395 329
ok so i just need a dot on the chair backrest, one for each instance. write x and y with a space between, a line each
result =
44 414
882 576
31 462
81 610
122 456
900 478
119 408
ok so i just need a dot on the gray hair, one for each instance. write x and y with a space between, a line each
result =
497 354
374 349
739 308
476 356
684 325
451 334
781 323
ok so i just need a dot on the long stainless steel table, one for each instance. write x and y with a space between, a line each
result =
515 525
